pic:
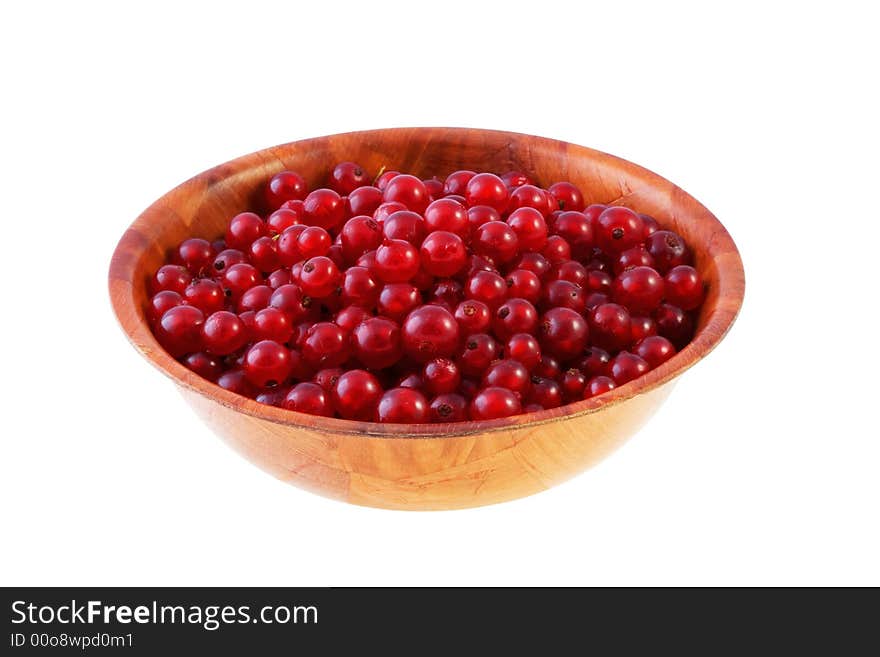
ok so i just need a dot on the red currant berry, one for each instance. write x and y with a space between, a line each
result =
684 287
356 395
312 242
487 287
472 316
594 361
443 254
546 393
640 289
641 326
514 316
287 245
528 196
408 190
515 179
326 345
668 250
625 367
599 385
430 332
573 383
272 324
285 186
235 381
446 292
619 229
263 254
449 215
495 240
563 333
404 225
530 228
510 374
481 214
384 178
477 354
347 177
655 350
396 300
440 376
487 189
243 229
307 397
448 407
224 333
205 294
547 368
197 255
651 225
319 277
571 271
397 261
267 364
283 218
567 196
637 256
403 406
376 343
328 377
610 326
349 317
564 294
524 348
494 403
291 300
576 229
171 277
364 201
204 364
359 235
557 250
534 262
674 324
324 208
456 183
524 284
166 300
359 288
239 278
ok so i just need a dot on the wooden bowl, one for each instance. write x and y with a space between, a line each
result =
425 466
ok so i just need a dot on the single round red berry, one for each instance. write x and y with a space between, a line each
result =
396 300
364 200
456 183
313 241
359 288
449 407
594 361
655 350
472 316
619 229
272 324
567 196
404 225
307 397
384 178
495 240
610 326
514 316
530 228
319 277
557 250
430 332
440 375
510 374
547 368
443 254
223 333
641 326
397 261
376 343
525 348
349 317
205 294
359 235
292 301
668 250
598 385
171 277
563 333
487 287
477 353
481 214
326 345
284 218
267 364
235 381
449 215
205 365
528 196
636 256
684 287
576 229
571 271
347 177
535 263
239 278
197 255
674 324
180 330
546 393
403 406
287 245
328 377
524 284
625 367
564 294
651 225
243 229
356 394
640 289
515 179
408 190
285 186
163 301
324 208
494 403
487 189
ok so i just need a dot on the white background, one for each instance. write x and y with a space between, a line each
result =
762 468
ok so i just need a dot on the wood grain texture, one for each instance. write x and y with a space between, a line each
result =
425 466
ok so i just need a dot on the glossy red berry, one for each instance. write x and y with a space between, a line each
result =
449 407
535 263
548 368
243 229
618 229
267 364
576 229
292 301
326 345
509 374
324 208
655 350
487 189
163 301
674 324
494 403
430 332
456 182
179 330
626 366
283 218
235 381
313 241
472 316
239 278
403 406
285 186
564 294
567 196
320 277
197 255
272 324
514 316
349 317
359 235
396 300
376 343
573 383
636 256
487 287
359 287
610 326
408 190
308 397
440 375
668 250
175 278
224 333
599 385
495 240
449 215
530 228
557 250
481 214
347 177
524 284
563 333
684 287
525 348
641 326
443 254
397 261
477 353
594 361
205 294
364 201
356 395
384 178
404 225
205 365
640 289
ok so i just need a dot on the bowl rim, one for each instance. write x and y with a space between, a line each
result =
731 284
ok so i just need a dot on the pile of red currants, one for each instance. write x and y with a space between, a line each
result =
407 300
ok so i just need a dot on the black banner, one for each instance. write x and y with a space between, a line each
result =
282 621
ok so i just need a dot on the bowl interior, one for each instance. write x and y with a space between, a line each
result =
202 206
